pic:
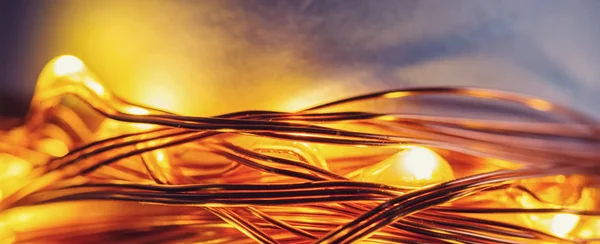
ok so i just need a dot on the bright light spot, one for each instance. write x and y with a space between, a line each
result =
388 118
67 64
412 167
135 110
12 167
142 126
160 156
539 104
586 234
562 224
420 162
397 94
161 159
53 147
6 234
94 86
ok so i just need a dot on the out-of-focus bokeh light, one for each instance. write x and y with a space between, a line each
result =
239 55
420 162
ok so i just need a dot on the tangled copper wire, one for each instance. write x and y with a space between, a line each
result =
281 177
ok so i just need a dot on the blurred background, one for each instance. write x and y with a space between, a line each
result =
212 57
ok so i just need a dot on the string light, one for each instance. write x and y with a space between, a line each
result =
563 224
88 166
415 166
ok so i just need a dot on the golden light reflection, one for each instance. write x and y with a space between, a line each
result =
539 104
129 47
559 192
396 94
415 166
135 110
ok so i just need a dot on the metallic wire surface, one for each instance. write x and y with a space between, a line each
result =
133 174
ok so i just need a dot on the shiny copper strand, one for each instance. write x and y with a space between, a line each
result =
239 194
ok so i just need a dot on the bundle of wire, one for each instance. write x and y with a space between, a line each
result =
90 167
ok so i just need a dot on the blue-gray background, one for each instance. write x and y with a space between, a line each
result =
262 54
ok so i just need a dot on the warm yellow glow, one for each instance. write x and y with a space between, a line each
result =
12 167
161 159
559 192
420 162
6 234
67 64
53 147
591 228
562 224
94 86
142 126
539 104
135 110
396 94
415 166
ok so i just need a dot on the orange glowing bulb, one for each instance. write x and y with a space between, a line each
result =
413 167
563 224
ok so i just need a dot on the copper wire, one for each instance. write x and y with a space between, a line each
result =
256 196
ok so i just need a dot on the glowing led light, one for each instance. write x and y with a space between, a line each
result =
94 86
555 192
420 162
396 94
562 224
136 110
67 64
415 166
